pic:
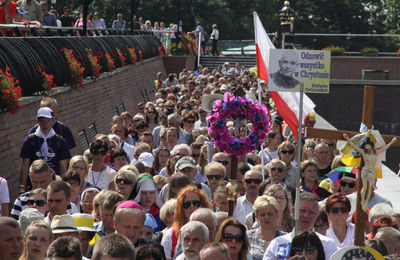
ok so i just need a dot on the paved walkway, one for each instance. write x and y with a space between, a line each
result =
388 186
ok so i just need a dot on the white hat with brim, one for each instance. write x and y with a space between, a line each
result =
63 224
208 101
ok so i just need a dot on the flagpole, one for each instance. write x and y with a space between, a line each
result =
262 145
199 50
299 150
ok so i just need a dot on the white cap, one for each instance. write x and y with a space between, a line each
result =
45 112
147 159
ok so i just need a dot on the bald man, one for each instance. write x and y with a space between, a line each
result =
251 181
288 64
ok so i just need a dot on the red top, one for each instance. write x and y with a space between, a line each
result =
13 8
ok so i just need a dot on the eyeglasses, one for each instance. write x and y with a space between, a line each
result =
190 121
350 184
125 181
97 152
255 181
195 155
287 152
196 203
211 176
228 237
341 209
38 203
309 249
275 169
225 163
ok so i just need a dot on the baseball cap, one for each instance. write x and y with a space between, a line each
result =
45 112
310 117
63 224
147 159
185 162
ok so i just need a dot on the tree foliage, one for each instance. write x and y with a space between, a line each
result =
235 20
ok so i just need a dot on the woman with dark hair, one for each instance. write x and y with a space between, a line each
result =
160 159
118 158
308 244
189 200
188 120
286 154
233 233
337 208
176 183
309 179
100 175
149 252
272 141
151 115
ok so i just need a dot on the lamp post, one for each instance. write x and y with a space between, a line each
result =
286 17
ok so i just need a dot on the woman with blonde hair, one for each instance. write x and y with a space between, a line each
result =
266 210
189 200
38 200
167 213
80 165
36 241
281 195
124 182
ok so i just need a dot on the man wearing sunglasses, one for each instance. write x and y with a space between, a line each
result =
279 248
244 205
223 159
41 176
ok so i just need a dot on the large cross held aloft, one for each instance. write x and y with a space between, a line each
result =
367 118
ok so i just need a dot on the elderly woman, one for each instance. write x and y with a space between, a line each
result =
277 171
147 196
124 182
87 198
233 234
189 199
340 230
215 173
309 179
266 210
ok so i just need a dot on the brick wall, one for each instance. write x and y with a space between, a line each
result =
349 67
79 108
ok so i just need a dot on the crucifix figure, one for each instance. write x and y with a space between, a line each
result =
369 155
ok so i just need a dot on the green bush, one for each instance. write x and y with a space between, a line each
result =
335 50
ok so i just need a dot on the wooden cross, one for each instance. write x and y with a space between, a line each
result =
367 118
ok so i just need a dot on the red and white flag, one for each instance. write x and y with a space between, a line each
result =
287 103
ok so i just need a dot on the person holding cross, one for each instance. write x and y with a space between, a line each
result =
369 155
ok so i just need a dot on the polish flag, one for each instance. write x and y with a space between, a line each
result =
287 103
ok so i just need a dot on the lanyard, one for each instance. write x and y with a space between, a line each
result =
98 178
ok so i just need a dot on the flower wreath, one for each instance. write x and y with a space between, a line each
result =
237 106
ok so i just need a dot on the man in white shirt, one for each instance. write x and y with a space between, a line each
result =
251 181
279 248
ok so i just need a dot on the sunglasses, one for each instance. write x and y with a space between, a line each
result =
287 152
196 203
211 176
255 181
350 184
228 237
341 209
225 163
38 203
309 249
190 121
125 181
97 152
275 169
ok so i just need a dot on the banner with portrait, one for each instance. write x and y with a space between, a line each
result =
288 69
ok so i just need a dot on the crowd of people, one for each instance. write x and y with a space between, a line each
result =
153 187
